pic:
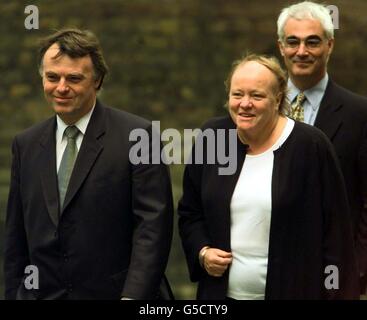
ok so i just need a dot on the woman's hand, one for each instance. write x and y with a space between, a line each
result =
216 261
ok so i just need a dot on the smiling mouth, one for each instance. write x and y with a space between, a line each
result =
302 62
62 98
246 115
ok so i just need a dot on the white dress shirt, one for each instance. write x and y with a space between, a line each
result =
61 140
313 96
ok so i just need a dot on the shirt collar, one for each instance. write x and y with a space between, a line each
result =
81 124
314 95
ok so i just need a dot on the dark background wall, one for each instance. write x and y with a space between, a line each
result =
168 60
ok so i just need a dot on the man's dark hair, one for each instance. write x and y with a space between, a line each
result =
76 43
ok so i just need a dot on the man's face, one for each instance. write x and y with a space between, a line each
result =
69 84
305 49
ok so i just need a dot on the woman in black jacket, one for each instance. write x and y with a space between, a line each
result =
278 227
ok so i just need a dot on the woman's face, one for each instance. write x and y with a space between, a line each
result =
254 98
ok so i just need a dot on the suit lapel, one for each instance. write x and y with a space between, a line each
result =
48 174
89 151
328 118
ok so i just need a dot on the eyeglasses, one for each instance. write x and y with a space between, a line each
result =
312 42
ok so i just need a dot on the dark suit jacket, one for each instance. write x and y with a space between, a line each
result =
343 118
113 235
310 227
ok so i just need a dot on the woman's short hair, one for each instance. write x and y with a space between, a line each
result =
271 63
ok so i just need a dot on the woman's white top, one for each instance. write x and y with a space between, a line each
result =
250 223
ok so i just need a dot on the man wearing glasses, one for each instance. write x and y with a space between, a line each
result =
306 40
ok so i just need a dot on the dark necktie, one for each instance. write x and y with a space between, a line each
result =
67 162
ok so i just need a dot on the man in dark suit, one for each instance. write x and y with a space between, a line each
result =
306 40
89 221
